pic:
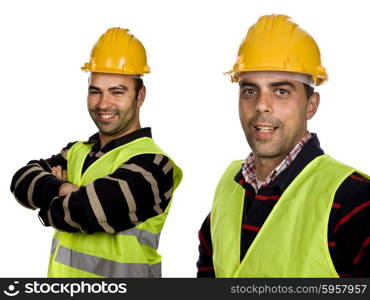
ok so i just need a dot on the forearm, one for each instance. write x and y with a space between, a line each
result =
34 185
113 203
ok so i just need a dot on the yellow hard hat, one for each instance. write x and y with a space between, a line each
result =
275 43
118 51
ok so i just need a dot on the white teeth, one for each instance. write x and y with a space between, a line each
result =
106 116
265 129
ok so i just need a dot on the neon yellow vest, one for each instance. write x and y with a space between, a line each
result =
130 253
293 240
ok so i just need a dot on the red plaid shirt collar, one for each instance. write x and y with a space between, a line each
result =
249 169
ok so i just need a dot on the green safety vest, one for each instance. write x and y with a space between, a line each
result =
293 240
129 253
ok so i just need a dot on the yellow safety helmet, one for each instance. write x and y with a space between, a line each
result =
118 51
275 43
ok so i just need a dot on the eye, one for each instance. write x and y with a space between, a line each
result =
282 92
117 93
248 92
94 92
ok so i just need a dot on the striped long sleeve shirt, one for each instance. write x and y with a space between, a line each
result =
126 196
349 220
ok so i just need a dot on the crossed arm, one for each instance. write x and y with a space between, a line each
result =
113 203
66 188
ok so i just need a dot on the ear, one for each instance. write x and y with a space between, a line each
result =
313 105
141 96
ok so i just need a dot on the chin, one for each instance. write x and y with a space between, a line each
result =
266 153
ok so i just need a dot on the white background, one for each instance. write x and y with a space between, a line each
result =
190 105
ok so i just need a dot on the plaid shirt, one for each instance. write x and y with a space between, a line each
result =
249 169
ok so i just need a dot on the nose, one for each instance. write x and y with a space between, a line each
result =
264 103
104 101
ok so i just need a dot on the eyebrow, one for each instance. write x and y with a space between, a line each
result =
91 87
246 83
276 84
118 87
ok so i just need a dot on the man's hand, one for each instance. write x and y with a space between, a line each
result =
65 188
59 173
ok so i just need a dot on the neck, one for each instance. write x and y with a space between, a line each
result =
264 166
105 139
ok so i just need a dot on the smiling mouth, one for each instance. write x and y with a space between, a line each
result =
265 128
106 116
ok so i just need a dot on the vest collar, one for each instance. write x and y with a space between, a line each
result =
94 139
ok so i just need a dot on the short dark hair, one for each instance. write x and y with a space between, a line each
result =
138 85
309 90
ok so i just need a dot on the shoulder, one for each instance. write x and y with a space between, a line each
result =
355 184
150 165
237 163
232 169
234 166
354 189
64 151
152 160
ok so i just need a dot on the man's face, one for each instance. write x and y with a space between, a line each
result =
273 112
112 103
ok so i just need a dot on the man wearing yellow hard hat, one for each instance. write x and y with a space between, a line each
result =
288 209
108 196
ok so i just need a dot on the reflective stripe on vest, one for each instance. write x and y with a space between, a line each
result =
54 245
293 240
104 267
129 253
144 237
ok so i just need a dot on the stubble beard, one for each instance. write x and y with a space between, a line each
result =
267 149
125 120
279 146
